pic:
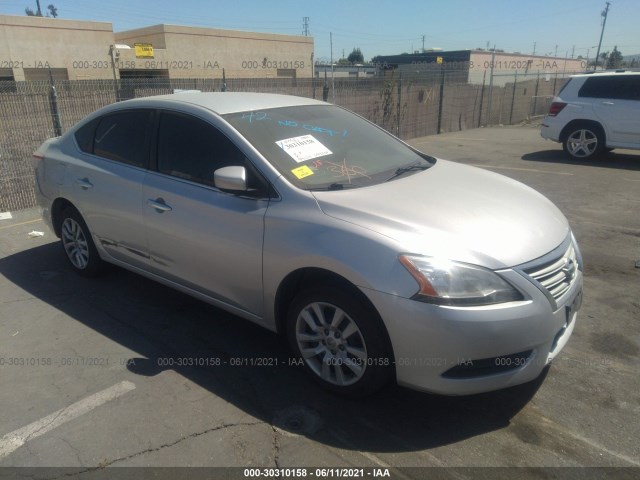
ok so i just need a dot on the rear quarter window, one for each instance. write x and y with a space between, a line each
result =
85 134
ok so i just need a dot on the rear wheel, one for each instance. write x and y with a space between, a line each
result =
77 243
342 342
584 141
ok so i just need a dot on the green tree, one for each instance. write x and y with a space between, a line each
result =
31 13
615 58
356 56
53 11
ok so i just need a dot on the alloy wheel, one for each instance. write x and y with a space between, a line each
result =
582 143
331 343
75 243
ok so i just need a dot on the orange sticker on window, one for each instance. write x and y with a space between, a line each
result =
302 172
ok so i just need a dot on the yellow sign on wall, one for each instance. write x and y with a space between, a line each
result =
143 50
438 59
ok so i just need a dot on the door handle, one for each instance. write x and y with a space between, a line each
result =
84 183
159 205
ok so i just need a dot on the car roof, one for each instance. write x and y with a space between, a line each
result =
224 102
606 73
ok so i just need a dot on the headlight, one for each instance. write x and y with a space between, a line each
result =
446 282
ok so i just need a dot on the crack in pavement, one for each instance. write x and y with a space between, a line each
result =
276 447
108 463
181 439
43 427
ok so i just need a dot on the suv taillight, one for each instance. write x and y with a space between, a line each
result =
556 108
36 159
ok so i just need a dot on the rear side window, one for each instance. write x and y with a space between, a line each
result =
622 87
123 137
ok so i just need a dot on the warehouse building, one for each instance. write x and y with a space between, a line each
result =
475 66
33 48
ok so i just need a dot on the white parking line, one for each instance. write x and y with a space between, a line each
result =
522 169
14 440
468 139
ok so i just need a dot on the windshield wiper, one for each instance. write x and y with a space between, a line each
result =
335 186
403 170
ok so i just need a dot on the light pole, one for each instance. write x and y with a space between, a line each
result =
604 22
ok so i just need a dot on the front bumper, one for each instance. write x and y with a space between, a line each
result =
431 341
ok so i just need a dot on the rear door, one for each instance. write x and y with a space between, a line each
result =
616 103
199 236
107 183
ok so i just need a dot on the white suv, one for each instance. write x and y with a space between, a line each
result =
595 112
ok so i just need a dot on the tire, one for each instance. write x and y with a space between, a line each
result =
341 341
78 245
584 141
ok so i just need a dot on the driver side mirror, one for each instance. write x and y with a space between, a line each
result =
231 178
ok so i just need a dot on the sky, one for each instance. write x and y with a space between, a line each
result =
385 27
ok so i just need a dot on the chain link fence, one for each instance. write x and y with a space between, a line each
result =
406 105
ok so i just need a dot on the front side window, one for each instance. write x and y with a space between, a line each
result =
324 147
123 136
192 149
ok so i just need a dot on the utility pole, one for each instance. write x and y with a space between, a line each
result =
493 62
305 26
555 54
333 83
604 22
573 49
422 43
534 48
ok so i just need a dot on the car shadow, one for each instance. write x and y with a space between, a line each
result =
612 159
160 323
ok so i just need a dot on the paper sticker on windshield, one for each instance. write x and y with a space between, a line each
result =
302 172
303 148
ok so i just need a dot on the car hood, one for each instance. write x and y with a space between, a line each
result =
457 212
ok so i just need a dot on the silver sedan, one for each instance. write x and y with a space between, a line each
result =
379 263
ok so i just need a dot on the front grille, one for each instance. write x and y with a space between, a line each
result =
556 276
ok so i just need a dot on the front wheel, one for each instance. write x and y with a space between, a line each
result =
342 342
584 142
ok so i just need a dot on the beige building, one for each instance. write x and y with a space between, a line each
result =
32 48
477 66
189 52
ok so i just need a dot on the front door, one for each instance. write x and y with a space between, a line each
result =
199 236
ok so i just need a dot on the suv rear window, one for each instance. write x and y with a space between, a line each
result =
622 87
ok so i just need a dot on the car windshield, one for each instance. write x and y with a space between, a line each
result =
324 147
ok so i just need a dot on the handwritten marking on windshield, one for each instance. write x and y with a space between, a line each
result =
251 116
344 170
